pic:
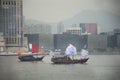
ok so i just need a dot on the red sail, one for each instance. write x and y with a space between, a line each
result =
35 48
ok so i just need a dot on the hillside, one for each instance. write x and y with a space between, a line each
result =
106 21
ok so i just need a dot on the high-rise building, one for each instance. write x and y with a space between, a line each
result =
89 28
74 30
11 23
60 28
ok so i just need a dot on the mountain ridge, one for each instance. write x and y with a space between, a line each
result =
106 21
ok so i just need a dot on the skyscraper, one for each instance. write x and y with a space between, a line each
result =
11 23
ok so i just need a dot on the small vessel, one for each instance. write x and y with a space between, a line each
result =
67 60
30 57
70 51
34 56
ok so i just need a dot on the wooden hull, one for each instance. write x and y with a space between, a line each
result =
30 57
68 61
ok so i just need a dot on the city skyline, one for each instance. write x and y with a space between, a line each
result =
58 10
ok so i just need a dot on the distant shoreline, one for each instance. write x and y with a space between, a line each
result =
90 53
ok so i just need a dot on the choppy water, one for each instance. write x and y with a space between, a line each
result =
99 67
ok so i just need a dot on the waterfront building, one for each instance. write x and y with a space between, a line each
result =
97 42
11 23
118 41
116 31
41 40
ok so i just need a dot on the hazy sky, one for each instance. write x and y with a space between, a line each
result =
57 10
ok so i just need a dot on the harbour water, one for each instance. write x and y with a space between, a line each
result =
98 67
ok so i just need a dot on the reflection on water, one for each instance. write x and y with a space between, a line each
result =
99 67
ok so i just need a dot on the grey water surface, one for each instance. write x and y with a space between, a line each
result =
98 67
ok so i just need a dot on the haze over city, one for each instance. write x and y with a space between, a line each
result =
58 10
59 40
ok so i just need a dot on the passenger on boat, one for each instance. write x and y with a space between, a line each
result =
84 54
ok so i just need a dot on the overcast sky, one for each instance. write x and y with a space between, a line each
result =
57 10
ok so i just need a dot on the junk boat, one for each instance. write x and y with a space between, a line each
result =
30 57
70 51
67 60
34 56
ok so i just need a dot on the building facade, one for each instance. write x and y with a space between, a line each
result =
97 42
61 41
42 40
90 28
2 43
60 28
74 30
11 23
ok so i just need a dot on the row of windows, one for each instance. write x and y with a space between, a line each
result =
8 2
11 40
11 33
